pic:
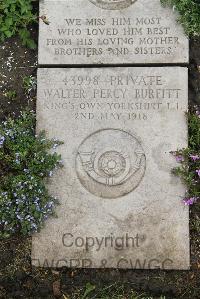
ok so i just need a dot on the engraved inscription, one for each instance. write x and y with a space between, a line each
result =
113 4
110 32
110 163
124 97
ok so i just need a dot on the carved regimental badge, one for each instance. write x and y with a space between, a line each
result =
113 4
110 163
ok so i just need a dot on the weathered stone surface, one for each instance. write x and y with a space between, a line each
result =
118 126
110 32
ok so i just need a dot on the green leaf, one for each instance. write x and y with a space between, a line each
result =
31 44
89 288
8 33
8 22
15 17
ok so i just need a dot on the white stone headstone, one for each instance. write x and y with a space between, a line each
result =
120 205
110 32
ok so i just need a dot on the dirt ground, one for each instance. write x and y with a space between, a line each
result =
17 278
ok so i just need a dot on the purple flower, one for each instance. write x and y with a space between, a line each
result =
194 157
55 145
198 172
2 139
190 201
179 158
198 113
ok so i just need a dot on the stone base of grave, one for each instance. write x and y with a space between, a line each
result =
88 32
120 205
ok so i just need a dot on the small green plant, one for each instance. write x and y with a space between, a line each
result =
29 83
26 163
189 159
10 94
89 288
189 11
15 17
113 291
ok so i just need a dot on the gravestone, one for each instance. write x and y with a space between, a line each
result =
120 205
110 32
